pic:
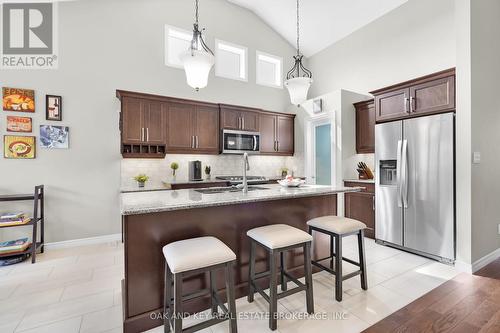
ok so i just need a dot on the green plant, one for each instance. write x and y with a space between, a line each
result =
174 166
142 178
207 170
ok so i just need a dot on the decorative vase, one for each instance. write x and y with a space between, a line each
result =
141 184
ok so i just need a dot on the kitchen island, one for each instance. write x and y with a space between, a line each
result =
154 219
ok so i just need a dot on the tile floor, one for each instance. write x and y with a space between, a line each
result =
78 290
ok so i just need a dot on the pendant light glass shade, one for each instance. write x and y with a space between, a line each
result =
299 78
298 88
198 59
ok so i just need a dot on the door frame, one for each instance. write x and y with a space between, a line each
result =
310 146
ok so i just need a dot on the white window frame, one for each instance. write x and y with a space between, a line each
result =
245 60
274 58
178 30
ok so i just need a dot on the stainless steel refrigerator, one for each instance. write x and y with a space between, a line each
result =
415 185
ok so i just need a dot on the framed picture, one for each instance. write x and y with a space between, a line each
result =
54 137
19 147
19 124
53 107
21 100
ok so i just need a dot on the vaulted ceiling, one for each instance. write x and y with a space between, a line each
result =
323 22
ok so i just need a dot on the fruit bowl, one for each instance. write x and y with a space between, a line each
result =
291 182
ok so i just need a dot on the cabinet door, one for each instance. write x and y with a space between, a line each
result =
365 128
267 126
180 133
230 119
132 120
433 96
392 105
154 122
250 121
361 206
206 127
285 135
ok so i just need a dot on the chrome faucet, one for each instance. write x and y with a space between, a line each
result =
246 167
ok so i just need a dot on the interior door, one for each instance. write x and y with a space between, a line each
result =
323 154
429 216
180 133
389 211
207 128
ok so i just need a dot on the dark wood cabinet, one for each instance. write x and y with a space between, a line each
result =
132 120
276 134
365 127
179 122
361 206
430 94
206 129
154 117
239 118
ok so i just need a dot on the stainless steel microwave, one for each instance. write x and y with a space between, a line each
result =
239 142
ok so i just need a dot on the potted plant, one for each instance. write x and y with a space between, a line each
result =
284 172
141 179
207 171
174 166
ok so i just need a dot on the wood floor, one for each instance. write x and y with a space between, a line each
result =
465 304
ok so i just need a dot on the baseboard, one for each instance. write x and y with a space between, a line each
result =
463 267
84 241
487 259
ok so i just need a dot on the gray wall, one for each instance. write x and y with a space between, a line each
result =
106 45
415 39
485 64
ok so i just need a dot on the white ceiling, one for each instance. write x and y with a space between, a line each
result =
322 22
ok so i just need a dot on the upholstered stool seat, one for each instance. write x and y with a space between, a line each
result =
279 235
194 256
337 224
338 227
195 253
277 239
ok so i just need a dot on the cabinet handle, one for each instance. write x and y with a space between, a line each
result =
277 146
142 134
373 203
147 134
412 104
239 123
242 123
406 104
197 142
192 141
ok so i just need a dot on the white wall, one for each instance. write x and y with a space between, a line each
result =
106 45
485 64
415 39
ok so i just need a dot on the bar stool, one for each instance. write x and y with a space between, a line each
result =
338 227
193 256
277 239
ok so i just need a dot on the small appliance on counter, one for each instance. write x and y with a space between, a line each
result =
195 171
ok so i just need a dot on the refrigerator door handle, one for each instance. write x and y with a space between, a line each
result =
398 175
404 174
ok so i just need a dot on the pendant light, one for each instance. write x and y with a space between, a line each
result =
198 59
299 78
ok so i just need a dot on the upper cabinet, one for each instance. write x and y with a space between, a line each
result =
276 134
365 127
423 96
239 118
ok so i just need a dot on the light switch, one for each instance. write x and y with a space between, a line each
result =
476 157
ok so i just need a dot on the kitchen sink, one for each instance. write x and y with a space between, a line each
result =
215 190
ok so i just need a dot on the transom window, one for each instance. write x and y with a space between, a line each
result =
269 70
231 60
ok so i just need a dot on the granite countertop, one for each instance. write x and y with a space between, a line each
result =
367 181
161 201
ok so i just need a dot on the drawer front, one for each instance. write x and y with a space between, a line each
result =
368 187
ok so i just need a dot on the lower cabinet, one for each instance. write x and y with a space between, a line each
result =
361 206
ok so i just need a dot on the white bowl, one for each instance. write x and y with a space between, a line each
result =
291 183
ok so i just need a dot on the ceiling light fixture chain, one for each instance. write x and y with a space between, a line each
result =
298 66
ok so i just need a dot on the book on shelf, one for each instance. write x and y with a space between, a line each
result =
11 215
14 246
8 221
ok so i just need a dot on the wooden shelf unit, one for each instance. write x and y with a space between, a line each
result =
38 216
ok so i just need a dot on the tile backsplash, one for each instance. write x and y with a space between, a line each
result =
159 169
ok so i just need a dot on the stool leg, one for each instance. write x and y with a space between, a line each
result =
178 303
231 303
273 292
338 268
213 290
362 259
308 278
167 299
251 272
282 271
331 252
